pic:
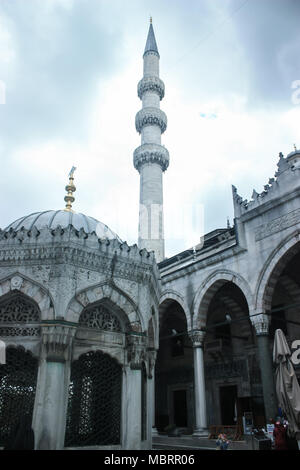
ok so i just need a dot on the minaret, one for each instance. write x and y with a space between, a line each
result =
151 159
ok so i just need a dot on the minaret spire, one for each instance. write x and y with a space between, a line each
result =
151 41
151 159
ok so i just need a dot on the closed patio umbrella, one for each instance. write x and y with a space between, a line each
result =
287 387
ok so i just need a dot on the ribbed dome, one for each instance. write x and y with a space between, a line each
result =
62 218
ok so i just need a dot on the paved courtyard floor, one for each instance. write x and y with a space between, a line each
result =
162 442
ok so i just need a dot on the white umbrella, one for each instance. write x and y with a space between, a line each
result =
287 387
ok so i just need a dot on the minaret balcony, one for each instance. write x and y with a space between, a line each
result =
154 84
150 117
151 153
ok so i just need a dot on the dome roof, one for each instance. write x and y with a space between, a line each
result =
63 218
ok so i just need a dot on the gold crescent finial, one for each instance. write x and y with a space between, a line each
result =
295 147
70 188
150 19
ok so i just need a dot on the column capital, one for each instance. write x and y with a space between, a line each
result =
261 323
152 354
57 339
136 350
197 337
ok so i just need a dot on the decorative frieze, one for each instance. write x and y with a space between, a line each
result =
278 224
150 116
7 331
139 271
153 84
237 368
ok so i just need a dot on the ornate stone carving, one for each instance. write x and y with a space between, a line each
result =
136 350
132 263
278 224
237 368
150 116
19 331
152 354
16 282
100 318
18 310
151 53
151 153
153 84
57 339
197 338
261 324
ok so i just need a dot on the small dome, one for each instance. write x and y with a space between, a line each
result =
63 218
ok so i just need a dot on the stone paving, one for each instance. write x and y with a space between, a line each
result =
193 443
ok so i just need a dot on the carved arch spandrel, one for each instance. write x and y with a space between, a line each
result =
33 290
102 292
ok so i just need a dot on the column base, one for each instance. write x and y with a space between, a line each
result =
200 432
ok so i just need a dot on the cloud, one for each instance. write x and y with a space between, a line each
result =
72 68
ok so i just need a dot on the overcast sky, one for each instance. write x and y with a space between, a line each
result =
69 70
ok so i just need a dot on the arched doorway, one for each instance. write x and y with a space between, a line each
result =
174 370
94 405
282 298
20 326
232 376
286 300
95 390
17 390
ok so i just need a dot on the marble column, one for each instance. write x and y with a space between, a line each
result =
197 337
152 359
261 325
52 386
132 428
132 400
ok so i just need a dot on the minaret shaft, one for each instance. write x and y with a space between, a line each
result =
151 159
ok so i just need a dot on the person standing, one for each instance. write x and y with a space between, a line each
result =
279 435
222 442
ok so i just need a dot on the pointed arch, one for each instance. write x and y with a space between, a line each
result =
208 289
272 269
168 295
110 293
17 282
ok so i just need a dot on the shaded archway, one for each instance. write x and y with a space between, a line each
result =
18 377
282 295
229 355
94 405
272 269
208 289
174 368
